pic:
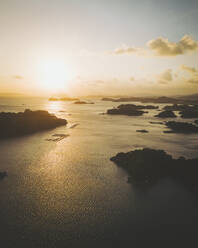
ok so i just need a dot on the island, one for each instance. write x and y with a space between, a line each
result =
186 110
146 167
166 114
3 174
142 131
158 100
27 122
130 109
156 122
190 113
127 109
181 127
83 102
108 99
63 99
178 107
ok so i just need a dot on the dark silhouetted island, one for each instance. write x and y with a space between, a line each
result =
3 174
83 102
63 99
107 99
178 107
148 166
142 131
166 114
181 127
27 122
190 113
186 110
126 109
157 100
156 122
130 109
162 99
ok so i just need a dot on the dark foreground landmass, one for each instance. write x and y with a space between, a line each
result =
27 122
147 166
130 109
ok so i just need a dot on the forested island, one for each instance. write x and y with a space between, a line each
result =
130 109
27 122
147 166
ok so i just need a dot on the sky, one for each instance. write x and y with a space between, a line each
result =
84 47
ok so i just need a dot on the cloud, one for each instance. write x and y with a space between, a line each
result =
132 79
163 47
162 82
17 77
124 49
160 47
128 50
166 76
193 81
191 70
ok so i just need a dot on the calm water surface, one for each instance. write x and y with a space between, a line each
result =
69 194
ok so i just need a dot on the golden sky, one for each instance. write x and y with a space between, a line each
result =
99 47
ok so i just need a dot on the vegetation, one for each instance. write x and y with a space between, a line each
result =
27 122
182 127
148 166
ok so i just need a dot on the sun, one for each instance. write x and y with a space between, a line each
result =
55 75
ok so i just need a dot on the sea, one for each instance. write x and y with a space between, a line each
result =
65 193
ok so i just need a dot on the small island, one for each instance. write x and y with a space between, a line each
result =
190 113
125 110
63 99
181 127
3 174
186 110
130 109
166 114
147 166
178 107
83 102
27 122
142 131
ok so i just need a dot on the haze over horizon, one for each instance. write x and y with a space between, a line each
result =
99 47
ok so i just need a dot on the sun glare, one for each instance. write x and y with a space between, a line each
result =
55 75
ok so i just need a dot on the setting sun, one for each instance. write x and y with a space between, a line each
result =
54 75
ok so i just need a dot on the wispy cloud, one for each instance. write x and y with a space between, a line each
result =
193 79
128 50
191 70
165 77
19 77
132 79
